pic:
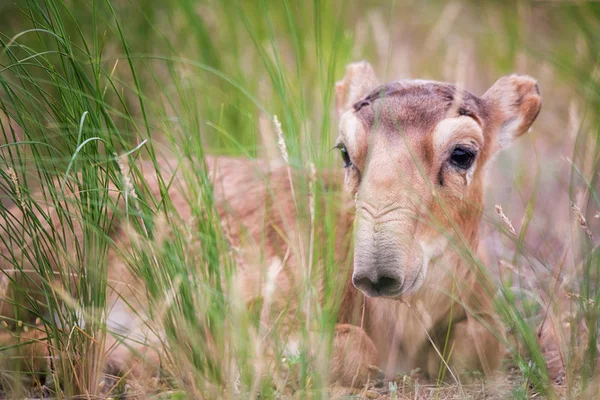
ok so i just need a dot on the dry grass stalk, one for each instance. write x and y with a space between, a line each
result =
311 200
505 219
313 180
285 155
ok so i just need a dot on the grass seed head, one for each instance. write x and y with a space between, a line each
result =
505 219
581 220
15 181
127 183
280 140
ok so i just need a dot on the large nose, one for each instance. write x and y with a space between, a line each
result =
374 285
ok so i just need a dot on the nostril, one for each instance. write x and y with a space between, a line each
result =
385 283
381 286
363 284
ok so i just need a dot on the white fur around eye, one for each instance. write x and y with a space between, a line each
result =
454 129
349 125
469 174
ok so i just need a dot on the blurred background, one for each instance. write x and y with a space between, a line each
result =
210 75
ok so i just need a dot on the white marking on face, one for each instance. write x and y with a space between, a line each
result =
469 175
349 125
455 129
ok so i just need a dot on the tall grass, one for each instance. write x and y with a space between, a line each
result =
95 95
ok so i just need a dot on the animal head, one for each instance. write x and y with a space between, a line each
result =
414 154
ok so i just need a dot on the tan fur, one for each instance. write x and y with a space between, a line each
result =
412 208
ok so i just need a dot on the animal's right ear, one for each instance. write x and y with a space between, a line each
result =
359 79
513 102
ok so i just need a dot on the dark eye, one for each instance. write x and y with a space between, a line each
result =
345 155
464 111
462 157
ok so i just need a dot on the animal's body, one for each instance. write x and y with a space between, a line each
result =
414 154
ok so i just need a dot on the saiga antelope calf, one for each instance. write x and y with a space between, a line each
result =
414 154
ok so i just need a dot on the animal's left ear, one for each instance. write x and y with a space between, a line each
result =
513 103
359 79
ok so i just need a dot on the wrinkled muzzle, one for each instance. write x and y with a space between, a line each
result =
387 257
